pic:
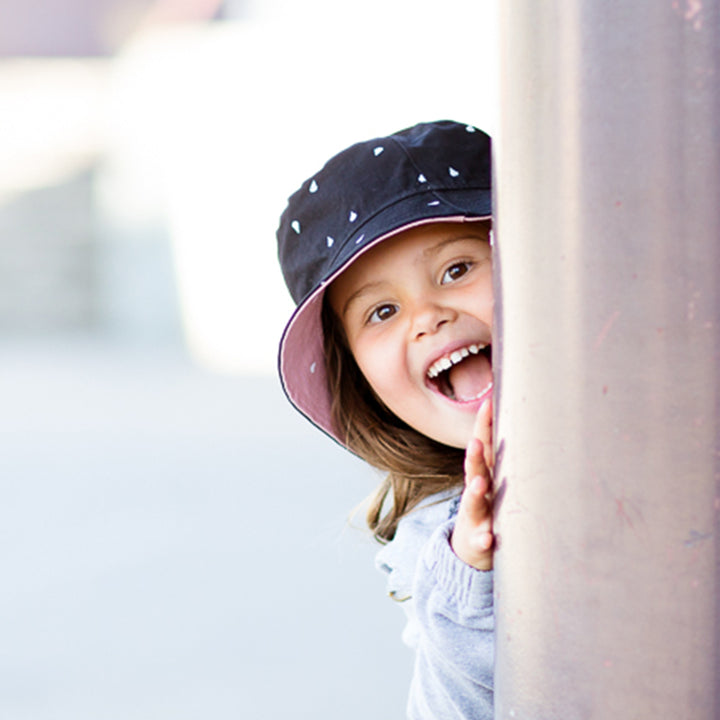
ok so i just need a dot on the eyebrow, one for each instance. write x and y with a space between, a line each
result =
359 293
435 249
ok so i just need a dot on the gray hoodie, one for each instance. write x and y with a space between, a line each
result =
449 607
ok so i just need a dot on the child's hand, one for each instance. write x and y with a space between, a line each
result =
472 538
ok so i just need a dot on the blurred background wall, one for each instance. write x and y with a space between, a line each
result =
175 540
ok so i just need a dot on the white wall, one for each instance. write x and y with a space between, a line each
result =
219 125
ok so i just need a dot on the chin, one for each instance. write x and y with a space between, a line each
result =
458 439
460 444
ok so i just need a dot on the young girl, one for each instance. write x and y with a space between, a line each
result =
387 253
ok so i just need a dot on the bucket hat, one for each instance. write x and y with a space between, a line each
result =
373 190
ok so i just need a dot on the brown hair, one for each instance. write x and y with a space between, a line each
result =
417 466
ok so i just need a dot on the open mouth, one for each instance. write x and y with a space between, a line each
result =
463 375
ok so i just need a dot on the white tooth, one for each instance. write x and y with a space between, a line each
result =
484 390
445 363
464 352
474 349
456 357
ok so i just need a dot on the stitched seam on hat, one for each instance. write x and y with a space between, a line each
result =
408 156
430 186
425 191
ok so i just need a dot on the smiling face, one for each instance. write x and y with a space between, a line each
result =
417 314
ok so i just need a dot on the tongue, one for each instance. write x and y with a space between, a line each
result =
470 377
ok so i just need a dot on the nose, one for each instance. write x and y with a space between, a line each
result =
429 316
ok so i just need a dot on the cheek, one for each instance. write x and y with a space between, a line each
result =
384 368
480 304
376 366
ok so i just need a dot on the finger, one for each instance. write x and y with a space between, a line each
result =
472 538
475 507
474 460
483 430
489 448
484 541
483 421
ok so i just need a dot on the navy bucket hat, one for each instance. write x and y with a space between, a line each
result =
439 171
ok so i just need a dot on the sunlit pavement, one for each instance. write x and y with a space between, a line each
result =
175 544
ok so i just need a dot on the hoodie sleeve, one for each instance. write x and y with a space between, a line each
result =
454 642
449 608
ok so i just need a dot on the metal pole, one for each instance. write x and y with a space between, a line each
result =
608 365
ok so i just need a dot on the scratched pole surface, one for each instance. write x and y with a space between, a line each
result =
608 302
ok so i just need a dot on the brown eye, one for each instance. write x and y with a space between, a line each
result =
455 272
382 313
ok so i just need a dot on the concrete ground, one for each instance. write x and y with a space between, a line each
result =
175 545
